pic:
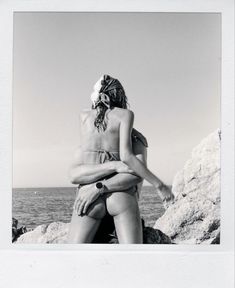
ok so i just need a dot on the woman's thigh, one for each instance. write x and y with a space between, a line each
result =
125 211
83 228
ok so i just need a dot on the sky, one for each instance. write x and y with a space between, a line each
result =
168 63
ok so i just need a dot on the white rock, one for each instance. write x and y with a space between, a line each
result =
55 232
195 215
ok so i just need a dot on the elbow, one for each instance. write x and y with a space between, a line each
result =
76 176
73 177
126 157
73 181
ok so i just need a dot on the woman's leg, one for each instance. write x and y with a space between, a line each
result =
83 228
125 210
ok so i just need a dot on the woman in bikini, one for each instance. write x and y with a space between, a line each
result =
106 137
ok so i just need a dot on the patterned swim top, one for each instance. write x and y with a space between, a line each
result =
101 155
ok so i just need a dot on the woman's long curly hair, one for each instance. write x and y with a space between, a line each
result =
110 95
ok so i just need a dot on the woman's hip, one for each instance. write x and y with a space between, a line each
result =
119 202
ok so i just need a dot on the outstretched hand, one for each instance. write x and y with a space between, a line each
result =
166 195
86 196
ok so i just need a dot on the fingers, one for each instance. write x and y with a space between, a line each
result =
168 201
85 208
80 208
77 206
167 197
165 204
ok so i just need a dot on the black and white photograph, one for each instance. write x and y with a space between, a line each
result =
116 128
117 143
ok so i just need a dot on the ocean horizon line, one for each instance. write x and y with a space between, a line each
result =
55 187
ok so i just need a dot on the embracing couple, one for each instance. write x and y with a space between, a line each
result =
109 169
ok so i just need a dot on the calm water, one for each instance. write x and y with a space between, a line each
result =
36 206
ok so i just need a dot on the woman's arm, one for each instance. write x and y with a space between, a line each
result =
123 181
126 153
82 173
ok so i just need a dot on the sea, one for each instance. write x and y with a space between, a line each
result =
36 206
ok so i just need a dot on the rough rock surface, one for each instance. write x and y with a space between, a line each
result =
155 236
56 233
194 217
16 232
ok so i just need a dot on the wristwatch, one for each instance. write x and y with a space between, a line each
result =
100 186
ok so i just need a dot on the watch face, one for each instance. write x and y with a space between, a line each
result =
99 185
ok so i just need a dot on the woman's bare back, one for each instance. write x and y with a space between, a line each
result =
108 140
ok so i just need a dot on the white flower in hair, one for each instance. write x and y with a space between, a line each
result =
98 84
94 97
95 93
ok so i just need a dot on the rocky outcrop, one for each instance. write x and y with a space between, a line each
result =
56 233
194 217
155 236
16 232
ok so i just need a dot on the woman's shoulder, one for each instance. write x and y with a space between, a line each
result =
123 112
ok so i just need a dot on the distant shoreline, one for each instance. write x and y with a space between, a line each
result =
58 187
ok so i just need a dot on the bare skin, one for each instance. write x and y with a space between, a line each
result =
115 138
124 208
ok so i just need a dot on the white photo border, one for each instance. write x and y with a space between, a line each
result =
193 258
